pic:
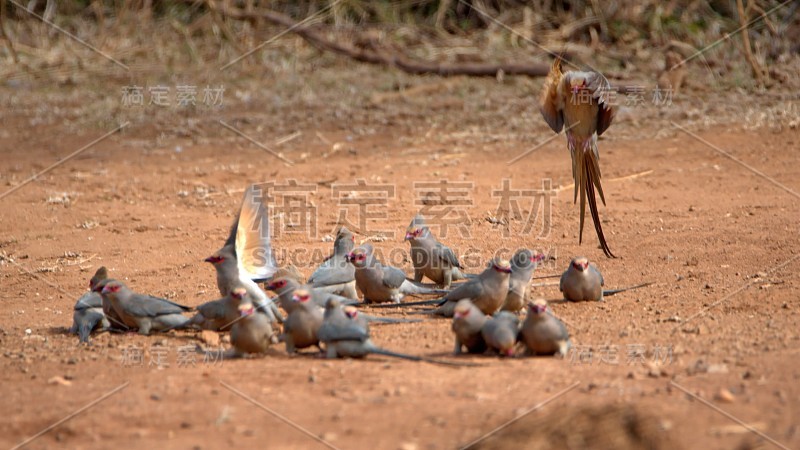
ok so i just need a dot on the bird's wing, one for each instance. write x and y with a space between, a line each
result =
444 253
349 331
563 333
329 262
213 310
89 300
549 101
393 277
601 88
146 306
338 273
253 247
599 275
472 289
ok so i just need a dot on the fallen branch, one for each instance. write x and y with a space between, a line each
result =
758 71
383 56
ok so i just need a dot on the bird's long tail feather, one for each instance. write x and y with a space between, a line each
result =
610 292
437 301
388 320
384 352
412 288
587 177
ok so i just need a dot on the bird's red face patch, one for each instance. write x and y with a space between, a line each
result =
502 268
537 258
580 265
110 288
413 233
214 259
356 257
537 308
277 284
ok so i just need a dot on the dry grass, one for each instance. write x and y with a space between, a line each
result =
615 36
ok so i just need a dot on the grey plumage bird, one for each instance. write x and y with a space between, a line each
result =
246 258
468 322
335 275
346 337
285 287
217 315
251 332
301 328
584 282
381 283
487 291
578 103
431 258
88 313
542 333
523 264
500 332
144 312
581 281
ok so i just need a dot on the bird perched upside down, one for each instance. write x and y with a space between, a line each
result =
578 101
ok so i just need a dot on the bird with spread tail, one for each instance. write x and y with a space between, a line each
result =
578 102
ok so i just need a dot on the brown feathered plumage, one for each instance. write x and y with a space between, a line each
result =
578 102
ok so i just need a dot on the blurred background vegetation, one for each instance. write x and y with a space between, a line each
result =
616 35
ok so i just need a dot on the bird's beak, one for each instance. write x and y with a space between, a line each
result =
350 257
506 269
408 237
210 259
245 310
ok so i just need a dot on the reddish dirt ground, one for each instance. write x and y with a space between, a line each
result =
719 240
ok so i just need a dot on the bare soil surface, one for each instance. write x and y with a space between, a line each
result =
701 199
